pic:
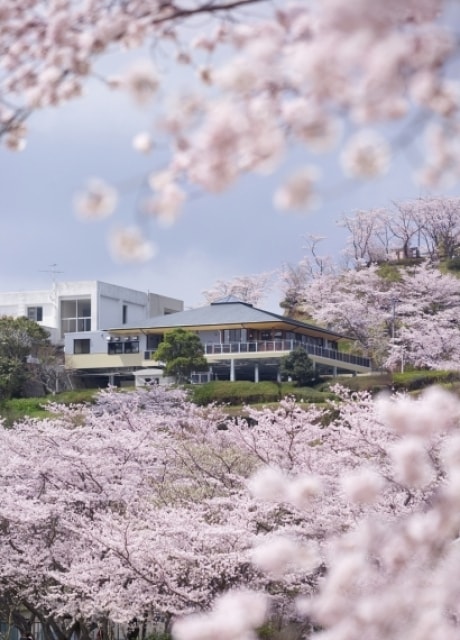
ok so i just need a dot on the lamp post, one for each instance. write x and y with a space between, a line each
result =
394 301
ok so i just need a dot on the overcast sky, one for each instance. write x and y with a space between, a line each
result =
218 237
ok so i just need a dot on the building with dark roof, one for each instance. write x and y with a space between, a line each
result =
240 342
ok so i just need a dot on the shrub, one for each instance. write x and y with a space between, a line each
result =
415 380
243 392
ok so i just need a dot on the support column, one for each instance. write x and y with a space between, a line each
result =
232 370
256 372
278 376
334 371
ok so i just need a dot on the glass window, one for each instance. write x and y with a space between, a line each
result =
75 315
35 313
235 335
119 346
153 341
132 346
81 345
115 348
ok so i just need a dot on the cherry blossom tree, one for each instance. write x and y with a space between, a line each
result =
413 317
390 572
425 227
252 289
144 504
267 75
393 295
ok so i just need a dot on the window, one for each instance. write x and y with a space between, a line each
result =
35 313
131 346
117 346
75 315
153 341
82 345
234 335
124 314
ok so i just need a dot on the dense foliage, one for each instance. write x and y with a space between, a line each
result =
401 311
23 343
143 505
299 366
182 352
347 518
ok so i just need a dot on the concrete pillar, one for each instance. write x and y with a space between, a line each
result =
256 372
278 376
334 371
112 380
232 370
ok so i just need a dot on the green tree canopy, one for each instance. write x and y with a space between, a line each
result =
20 340
298 366
182 353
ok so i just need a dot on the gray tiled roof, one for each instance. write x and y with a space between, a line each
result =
227 311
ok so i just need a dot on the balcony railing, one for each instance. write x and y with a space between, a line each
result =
264 346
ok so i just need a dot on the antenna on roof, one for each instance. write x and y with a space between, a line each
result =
53 271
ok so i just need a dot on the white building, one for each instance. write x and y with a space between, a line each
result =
239 341
76 313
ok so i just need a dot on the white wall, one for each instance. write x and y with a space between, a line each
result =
160 305
111 299
15 304
107 302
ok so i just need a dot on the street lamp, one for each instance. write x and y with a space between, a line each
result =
394 301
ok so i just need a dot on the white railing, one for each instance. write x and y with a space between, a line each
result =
264 346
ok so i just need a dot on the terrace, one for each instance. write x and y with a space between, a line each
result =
270 346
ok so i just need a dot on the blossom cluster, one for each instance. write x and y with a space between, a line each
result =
145 504
265 79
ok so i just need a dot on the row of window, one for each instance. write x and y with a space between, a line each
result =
129 346
83 346
247 335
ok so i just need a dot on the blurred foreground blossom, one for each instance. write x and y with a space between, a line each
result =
141 81
97 202
366 155
129 245
143 142
281 555
434 411
411 463
272 485
362 486
299 190
234 617
166 204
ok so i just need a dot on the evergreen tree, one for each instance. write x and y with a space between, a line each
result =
182 353
299 366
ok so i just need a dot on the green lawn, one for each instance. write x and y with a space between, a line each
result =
237 394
